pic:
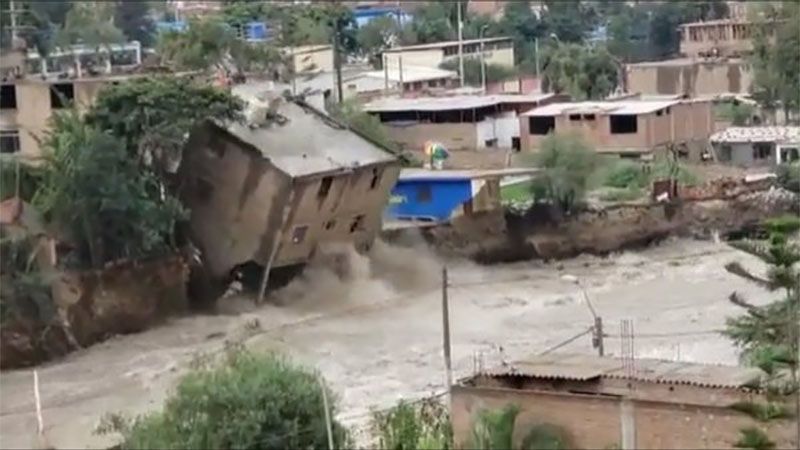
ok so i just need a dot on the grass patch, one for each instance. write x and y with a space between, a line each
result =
517 192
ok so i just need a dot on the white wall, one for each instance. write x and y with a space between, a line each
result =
502 127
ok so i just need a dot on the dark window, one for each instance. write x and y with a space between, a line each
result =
203 190
376 179
660 112
574 117
329 225
666 110
9 141
541 125
588 117
8 96
623 124
358 223
762 150
324 187
299 234
61 95
424 194
490 143
515 143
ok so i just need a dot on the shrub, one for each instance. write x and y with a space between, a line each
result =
494 430
250 402
546 437
611 194
789 176
625 174
567 163
408 427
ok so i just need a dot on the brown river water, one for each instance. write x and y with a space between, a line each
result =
377 337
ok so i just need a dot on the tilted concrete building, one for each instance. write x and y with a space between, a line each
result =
275 190
694 77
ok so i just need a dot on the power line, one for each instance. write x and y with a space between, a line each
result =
566 342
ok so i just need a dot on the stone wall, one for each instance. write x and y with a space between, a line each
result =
92 306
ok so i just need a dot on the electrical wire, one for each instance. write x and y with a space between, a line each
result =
566 342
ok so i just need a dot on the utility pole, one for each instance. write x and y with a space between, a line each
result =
460 45
597 340
536 50
337 60
446 331
483 60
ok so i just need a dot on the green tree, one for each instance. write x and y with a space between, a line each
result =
627 32
153 116
570 20
212 44
769 335
433 23
520 23
133 18
92 25
567 162
775 59
36 21
380 34
96 194
583 72
472 71
250 401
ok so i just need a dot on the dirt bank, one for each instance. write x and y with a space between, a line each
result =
541 233
91 306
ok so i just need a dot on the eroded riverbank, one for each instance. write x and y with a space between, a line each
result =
377 338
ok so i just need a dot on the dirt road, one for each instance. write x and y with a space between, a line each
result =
377 338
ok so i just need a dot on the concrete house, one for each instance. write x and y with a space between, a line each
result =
724 37
757 146
33 87
690 76
596 402
496 50
463 122
275 190
625 127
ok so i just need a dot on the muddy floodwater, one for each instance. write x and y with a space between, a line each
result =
377 337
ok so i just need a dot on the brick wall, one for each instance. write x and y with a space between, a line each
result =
594 421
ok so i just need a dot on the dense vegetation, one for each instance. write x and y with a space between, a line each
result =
248 401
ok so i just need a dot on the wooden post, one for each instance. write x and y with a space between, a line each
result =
327 413
276 246
37 398
446 331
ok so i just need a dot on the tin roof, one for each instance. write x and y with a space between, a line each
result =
411 74
587 367
607 107
309 142
450 103
435 45
757 134
441 175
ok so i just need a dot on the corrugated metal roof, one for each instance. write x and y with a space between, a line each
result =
608 107
411 74
435 45
450 103
425 174
586 367
309 144
757 134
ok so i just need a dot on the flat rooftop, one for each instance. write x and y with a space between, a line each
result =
579 367
451 103
435 45
608 107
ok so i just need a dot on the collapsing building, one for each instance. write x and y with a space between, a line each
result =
273 191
